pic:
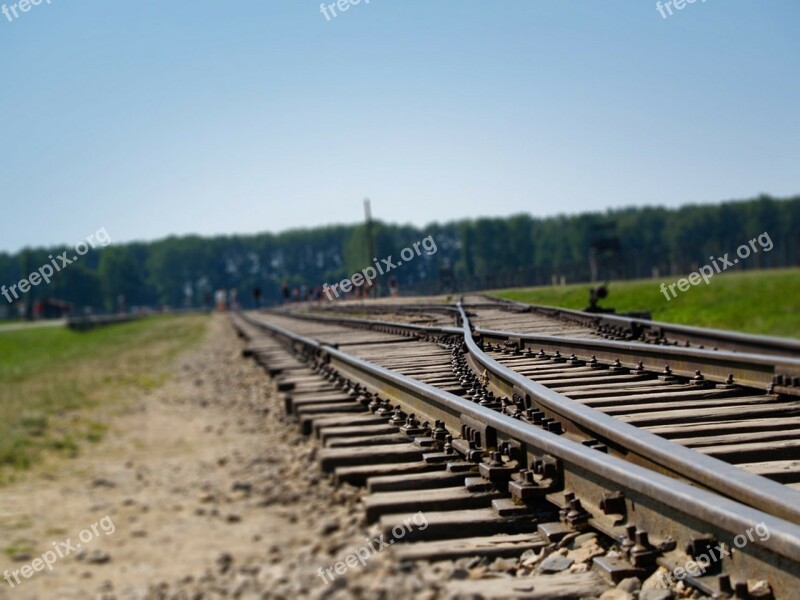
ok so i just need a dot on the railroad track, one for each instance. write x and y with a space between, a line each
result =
726 405
495 439
738 407
494 313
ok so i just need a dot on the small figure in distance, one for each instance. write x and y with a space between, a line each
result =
220 299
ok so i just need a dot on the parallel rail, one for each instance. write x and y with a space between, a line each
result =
771 373
658 332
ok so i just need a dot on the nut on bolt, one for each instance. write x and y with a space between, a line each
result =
575 515
643 553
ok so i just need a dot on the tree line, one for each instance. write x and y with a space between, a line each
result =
628 243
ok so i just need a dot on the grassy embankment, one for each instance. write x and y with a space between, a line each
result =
761 302
52 378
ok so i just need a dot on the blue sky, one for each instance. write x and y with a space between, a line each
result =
150 118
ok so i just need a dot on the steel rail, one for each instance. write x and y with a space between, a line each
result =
360 306
751 370
378 325
709 472
659 330
667 508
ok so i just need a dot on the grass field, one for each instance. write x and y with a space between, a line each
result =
763 302
51 378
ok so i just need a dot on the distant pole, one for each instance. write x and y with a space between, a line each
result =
28 299
370 237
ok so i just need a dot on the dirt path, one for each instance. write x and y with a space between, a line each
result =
32 325
190 476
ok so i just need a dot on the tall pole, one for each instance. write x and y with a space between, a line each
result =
28 299
370 237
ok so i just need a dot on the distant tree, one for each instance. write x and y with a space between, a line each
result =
121 275
521 249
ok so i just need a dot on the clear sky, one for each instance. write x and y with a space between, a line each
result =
150 118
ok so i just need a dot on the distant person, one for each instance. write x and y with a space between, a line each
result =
285 293
257 296
220 298
295 295
394 290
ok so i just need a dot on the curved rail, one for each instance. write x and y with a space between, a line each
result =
709 472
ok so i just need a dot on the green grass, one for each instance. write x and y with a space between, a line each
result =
761 302
52 378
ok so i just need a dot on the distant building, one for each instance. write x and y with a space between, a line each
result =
50 308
